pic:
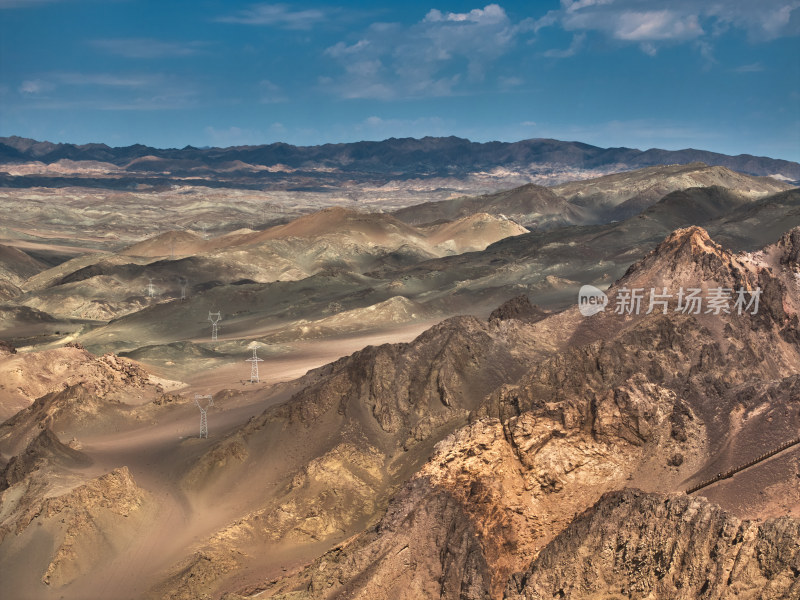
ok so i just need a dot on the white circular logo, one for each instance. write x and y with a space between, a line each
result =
591 300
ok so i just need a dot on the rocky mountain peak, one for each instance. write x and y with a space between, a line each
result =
789 244
687 257
694 240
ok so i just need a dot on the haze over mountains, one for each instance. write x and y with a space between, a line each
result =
435 418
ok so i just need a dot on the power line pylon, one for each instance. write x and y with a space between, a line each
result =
184 283
214 318
254 366
203 412
150 289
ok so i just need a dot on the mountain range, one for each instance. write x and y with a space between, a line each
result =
435 415
405 158
483 459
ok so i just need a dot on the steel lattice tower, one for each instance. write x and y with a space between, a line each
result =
203 413
254 366
214 318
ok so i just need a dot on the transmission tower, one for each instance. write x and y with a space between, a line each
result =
203 412
254 366
214 318
150 289
184 283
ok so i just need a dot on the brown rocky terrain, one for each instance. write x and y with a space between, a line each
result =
654 402
87 525
31 375
454 464
633 544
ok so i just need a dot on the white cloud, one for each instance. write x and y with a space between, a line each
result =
751 68
651 23
107 79
510 82
108 91
657 25
648 48
575 45
35 86
441 55
271 93
491 14
148 48
574 6
278 15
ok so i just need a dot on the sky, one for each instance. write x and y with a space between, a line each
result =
714 75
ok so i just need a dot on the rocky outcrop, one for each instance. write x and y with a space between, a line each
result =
519 308
90 385
451 466
424 547
637 545
45 449
410 390
657 400
350 436
87 523
789 245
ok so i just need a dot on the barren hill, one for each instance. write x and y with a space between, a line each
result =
599 200
622 195
530 205
15 267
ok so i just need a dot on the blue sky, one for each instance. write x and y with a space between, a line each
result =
717 75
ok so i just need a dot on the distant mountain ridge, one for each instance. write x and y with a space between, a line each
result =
592 201
403 157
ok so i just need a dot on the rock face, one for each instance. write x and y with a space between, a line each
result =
45 449
657 401
519 308
28 376
456 466
789 246
90 390
348 439
424 547
87 523
637 545
410 389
